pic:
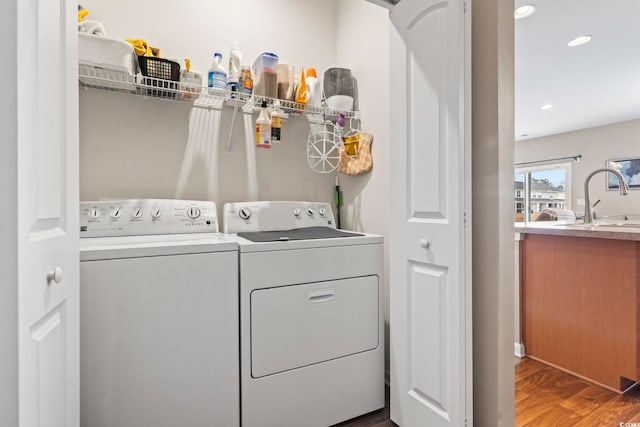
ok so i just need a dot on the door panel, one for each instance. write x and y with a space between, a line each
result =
430 245
427 317
47 207
426 110
50 122
49 338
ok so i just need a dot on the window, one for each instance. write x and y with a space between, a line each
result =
540 188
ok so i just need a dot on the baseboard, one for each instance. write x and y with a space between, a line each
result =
387 377
518 349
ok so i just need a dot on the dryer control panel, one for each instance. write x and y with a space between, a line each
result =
271 216
141 217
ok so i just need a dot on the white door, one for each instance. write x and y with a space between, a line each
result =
48 269
430 293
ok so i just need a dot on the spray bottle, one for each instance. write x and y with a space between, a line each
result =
263 128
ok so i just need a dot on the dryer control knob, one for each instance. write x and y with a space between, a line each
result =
310 212
245 213
156 213
296 212
322 211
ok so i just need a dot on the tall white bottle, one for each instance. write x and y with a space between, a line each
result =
217 78
235 59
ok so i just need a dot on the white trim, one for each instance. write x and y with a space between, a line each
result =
518 350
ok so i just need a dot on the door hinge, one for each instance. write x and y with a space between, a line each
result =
464 219
464 7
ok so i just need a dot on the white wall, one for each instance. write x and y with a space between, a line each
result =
596 145
363 46
133 147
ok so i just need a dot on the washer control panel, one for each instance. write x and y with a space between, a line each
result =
141 217
269 216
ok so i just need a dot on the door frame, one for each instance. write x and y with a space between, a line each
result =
9 218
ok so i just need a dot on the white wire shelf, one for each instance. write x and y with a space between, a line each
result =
114 80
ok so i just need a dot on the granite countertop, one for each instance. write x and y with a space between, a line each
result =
621 230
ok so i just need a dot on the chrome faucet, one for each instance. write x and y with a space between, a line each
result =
624 190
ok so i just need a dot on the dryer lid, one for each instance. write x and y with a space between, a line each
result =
307 233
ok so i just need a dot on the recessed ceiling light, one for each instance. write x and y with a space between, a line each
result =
524 11
579 40
524 134
546 107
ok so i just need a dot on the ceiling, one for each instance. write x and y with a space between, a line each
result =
589 85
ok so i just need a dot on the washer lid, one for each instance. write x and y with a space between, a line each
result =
102 248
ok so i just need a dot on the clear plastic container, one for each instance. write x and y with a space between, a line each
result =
265 77
286 81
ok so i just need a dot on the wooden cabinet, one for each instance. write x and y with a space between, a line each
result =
580 301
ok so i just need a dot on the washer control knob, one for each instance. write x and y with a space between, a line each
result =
310 212
296 212
156 213
245 213
116 213
136 212
193 212
322 211
94 213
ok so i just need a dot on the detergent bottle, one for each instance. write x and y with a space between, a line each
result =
235 58
217 78
314 94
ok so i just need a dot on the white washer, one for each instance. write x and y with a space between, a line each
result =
311 316
159 316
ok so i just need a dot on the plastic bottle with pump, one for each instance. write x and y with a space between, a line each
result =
217 77
235 58
191 81
263 128
276 123
314 94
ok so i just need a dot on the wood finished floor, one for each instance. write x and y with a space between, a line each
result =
546 396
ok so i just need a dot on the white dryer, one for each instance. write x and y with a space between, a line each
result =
311 315
158 316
